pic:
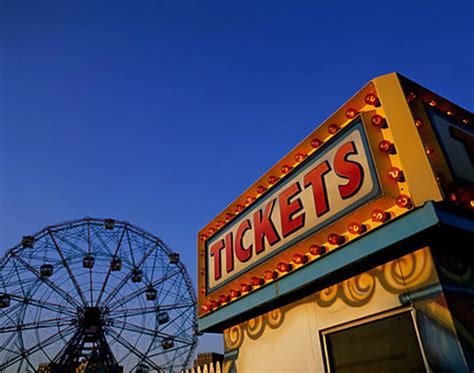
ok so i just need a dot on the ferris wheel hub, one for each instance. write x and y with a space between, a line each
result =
91 320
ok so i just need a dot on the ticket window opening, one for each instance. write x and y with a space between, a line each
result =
386 344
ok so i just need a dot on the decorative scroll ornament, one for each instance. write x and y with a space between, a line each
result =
397 276
359 290
253 328
233 337
275 318
328 296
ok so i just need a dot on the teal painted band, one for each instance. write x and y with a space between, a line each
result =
456 221
405 227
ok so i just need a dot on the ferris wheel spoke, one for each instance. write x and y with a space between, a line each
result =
22 348
129 312
20 283
153 333
150 346
27 359
132 295
174 349
134 311
176 318
7 341
11 316
166 355
135 329
130 249
65 295
50 323
133 349
44 304
104 284
67 242
68 269
124 357
180 325
40 345
124 280
91 291
11 311
95 225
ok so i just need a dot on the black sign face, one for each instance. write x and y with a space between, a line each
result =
457 142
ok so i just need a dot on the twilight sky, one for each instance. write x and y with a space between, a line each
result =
162 112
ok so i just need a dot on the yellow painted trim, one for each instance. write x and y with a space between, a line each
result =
416 166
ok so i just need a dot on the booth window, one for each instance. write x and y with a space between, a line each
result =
385 345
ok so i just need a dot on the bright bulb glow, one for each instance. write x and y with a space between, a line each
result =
335 239
272 179
300 259
386 147
316 143
351 113
378 121
317 250
404 201
333 128
285 169
372 99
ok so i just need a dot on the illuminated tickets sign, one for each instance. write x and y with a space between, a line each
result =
331 183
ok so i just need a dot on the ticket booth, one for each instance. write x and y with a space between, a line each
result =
353 253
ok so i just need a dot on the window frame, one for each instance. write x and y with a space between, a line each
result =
324 333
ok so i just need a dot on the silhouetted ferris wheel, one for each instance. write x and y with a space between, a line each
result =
95 293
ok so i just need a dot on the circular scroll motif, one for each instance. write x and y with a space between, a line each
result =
359 290
391 275
412 270
233 337
255 327
416 268
275 318
328 296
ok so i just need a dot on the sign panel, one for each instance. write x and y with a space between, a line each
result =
457 142
329 184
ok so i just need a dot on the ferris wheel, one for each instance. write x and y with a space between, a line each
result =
95 294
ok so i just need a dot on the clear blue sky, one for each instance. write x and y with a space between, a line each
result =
162 112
